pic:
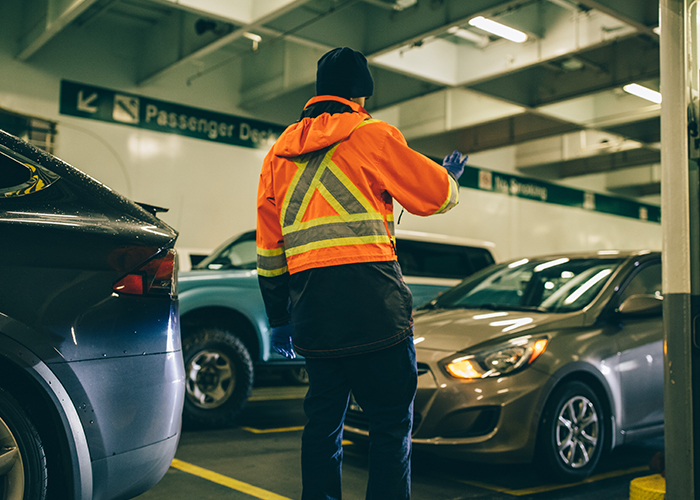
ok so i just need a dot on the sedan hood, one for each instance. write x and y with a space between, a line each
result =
457 329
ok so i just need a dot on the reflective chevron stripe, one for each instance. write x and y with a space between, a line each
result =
357 222
271 262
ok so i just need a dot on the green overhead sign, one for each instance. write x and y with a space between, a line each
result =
97 103
546 192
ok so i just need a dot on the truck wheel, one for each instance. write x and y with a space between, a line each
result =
572 433
219 377
23 471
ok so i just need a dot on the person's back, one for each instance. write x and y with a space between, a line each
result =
328 271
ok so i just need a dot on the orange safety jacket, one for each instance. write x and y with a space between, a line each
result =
326 189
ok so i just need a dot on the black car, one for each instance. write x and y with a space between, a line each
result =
91 370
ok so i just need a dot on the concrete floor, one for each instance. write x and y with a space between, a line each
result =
259 458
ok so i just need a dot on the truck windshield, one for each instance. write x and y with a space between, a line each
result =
241 253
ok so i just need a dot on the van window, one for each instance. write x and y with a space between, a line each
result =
438 260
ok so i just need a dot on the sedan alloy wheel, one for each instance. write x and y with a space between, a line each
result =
572 432
577 432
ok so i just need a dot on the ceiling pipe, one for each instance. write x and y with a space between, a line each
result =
397 5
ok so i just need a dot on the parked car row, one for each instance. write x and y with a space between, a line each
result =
104 350
92 379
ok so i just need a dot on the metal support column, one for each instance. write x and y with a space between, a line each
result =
681 247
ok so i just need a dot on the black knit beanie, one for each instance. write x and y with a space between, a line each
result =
343 72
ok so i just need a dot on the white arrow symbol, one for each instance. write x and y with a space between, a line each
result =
84 104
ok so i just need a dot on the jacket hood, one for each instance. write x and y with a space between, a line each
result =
331 119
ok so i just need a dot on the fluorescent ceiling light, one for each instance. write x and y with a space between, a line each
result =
643 92
255 38
478 39
252 36
498 29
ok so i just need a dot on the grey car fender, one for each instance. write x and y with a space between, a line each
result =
18 355
578 367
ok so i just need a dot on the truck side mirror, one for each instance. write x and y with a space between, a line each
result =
642 305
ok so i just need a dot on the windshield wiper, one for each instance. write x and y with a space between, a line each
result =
503 307
429 306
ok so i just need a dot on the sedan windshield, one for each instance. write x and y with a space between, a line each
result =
556 285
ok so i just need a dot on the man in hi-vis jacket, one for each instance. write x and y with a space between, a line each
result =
328 272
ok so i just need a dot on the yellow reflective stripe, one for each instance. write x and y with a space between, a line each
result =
270 252
361 222
331 200
331 219
452 196
271 274
337 242
324 232
315 183
301 166
367 122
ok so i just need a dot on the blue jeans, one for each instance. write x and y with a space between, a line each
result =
384 384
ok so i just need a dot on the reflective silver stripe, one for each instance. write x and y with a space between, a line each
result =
453 197
341 193
311 166
271 262
390 225
334 231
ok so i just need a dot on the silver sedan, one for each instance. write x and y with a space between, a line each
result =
558 359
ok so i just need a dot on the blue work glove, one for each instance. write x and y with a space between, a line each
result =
281 341
454 163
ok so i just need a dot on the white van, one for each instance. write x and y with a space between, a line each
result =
432 263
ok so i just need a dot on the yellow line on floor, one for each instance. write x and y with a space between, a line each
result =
551 487
270 431
278 393
234 484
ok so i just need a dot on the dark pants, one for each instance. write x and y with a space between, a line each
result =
384 384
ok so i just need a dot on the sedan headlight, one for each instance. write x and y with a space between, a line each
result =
500 359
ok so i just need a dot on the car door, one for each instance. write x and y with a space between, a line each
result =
641 356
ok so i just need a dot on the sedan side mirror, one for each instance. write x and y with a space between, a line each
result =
642 305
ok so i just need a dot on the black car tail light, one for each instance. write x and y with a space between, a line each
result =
157 276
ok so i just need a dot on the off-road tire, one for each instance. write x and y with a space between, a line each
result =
218 377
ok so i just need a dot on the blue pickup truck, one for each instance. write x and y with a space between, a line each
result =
225 335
